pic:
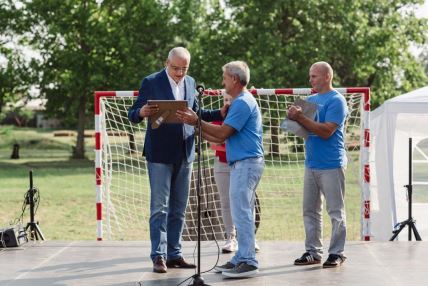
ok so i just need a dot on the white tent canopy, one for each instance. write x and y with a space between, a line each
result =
391 126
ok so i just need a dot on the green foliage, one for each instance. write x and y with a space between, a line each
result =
15 70
111 45
366 42
21 116
87 47
14 77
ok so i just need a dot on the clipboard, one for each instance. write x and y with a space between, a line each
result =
167 111
309 109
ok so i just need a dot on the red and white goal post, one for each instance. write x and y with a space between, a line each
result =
122 187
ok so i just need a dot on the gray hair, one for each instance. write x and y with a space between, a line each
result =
325 67
180 52
239 69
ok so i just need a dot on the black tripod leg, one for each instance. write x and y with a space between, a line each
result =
396 233
33 232
39 231
30 227
415 231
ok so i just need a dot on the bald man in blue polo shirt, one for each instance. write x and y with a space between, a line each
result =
324 168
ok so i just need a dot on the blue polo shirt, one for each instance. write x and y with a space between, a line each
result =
244 116
328 153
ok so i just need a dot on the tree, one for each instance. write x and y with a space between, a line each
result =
366 42
14 75
87 46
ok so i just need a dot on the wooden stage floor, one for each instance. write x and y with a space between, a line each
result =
127 263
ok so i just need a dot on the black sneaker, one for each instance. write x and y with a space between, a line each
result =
307 259
242 270
333 260
225 267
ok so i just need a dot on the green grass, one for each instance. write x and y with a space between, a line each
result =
67 190
66 187
287 199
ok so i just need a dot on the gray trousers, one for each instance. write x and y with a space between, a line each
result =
329 184
222 180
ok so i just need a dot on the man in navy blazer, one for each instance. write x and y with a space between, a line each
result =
169 151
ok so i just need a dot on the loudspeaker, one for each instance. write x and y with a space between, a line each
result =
13 236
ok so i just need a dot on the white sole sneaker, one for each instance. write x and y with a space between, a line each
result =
234 274
222 268
230 246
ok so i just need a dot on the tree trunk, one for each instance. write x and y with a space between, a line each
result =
79 151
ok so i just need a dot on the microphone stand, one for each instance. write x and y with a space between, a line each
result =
35 231
197 278
410 222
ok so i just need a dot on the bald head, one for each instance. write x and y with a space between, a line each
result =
178 63
321 77
324 68
179 52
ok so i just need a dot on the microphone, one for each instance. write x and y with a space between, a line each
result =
200 88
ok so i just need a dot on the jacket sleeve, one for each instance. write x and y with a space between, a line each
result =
134 111
207 114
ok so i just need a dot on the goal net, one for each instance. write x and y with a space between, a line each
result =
123 193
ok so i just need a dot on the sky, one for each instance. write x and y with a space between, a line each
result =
423 11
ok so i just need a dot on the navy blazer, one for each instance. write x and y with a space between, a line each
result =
166 144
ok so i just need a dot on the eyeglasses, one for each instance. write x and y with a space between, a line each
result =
178 69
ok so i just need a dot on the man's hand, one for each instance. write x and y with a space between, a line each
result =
148 110
187 116
294 112
224 109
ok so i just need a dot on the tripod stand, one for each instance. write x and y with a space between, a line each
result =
35 231
197 278
410 222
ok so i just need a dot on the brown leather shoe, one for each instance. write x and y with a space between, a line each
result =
179 263
159 265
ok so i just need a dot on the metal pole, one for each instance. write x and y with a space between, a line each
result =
409 188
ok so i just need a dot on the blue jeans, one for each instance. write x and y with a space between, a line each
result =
245 175
169 192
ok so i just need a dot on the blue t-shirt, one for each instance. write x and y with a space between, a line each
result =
328 153
244 116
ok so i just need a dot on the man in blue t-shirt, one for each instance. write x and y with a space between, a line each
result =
242 131
324 168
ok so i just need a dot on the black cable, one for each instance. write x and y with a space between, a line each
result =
24 206
36 199
208 215
196 244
